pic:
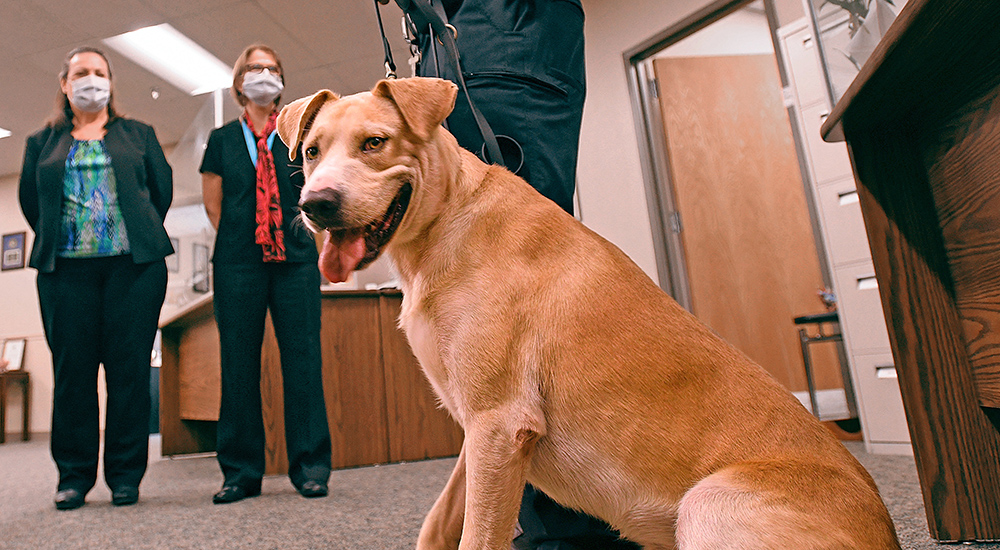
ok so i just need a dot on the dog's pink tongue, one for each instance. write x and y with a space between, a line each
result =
341 255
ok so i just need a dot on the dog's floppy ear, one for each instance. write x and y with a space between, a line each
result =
295 118
424 102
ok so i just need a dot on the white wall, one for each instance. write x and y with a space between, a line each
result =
187 226
610 186
20 318
739 33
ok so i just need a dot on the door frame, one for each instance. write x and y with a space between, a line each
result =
664 219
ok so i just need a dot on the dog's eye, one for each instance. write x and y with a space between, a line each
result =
373 144
311 153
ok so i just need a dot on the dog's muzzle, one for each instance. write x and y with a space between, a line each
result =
351 247
322 208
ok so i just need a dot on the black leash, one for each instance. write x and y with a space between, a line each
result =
423 13
390 67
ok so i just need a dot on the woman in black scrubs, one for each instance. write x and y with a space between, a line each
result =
263 262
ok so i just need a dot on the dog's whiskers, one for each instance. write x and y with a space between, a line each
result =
296 170
301 220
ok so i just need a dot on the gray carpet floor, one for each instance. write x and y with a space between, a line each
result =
379 507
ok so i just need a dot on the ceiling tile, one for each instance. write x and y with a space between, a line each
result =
178 8
244 24
96 20
335 30
25 27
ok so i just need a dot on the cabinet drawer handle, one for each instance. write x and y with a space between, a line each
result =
885 371
867 283
850 197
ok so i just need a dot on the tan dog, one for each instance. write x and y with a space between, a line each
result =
564 363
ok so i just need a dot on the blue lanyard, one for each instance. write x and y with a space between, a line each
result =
252 141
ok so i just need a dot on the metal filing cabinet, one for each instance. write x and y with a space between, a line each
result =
866 339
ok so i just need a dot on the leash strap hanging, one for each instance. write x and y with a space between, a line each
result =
436 18
390 66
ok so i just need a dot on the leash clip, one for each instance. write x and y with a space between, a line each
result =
409 30
412 39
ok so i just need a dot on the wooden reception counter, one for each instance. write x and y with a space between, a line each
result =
922 121
379 405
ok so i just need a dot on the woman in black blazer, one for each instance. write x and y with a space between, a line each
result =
95 188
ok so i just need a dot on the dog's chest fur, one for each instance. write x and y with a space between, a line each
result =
423 336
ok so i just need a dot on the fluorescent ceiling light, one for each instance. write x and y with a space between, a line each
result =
4 133
167 53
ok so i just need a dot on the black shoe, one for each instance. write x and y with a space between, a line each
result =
124 496
69 499
313 489
234 493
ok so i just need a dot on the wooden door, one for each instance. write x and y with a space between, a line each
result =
751 258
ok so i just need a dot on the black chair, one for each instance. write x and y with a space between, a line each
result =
827 330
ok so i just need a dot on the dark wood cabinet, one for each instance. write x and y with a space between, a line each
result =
922 122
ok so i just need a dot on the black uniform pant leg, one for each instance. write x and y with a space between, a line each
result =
544 121
548 526
295 313
70 302
133 296
533 94
240 303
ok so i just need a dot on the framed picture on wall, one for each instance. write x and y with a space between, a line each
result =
200 276
13 251
13 353
174 260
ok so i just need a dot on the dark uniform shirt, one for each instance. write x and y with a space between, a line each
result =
227 155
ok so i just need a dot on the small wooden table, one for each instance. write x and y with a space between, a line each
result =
21 377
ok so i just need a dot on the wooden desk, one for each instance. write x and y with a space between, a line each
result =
379 405
922 122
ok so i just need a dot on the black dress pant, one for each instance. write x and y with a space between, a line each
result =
101 311
243 295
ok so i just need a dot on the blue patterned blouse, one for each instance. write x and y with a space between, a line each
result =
92 223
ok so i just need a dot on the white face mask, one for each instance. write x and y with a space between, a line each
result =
262 88
91 93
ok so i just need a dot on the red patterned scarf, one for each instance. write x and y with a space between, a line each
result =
269 233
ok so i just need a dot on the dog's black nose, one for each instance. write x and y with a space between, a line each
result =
322 207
